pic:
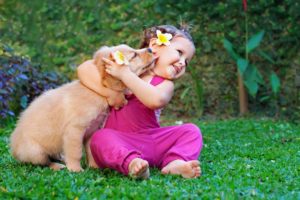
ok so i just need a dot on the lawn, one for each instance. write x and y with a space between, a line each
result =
241 159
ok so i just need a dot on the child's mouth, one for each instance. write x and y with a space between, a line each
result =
177 69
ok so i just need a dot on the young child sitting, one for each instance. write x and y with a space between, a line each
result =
132 139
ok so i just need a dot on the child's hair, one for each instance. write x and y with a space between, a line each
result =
151 33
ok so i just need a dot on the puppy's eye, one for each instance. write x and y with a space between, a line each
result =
133 56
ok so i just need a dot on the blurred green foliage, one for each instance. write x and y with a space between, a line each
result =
21 81
60 34
251 75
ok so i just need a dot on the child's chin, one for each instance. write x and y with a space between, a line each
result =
171 73
171 77
176 77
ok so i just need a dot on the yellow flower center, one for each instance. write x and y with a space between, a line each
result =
163 38
119 58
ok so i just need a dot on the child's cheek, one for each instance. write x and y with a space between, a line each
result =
171 72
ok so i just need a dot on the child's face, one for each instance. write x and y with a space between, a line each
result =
174 58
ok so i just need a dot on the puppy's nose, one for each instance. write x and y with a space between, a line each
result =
149 50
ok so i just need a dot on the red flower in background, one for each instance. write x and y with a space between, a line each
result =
245 5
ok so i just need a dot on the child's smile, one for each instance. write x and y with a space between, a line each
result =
177 69
173 58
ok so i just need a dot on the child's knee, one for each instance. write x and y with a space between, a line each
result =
100 136
193 131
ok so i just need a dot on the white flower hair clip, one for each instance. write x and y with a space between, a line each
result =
163 38
120 58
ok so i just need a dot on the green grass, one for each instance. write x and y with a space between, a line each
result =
241 159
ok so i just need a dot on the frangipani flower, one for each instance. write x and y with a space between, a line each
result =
163 38
120 58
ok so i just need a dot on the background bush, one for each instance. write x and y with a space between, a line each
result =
60 34
21 81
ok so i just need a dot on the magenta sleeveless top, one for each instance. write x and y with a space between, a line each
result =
135 116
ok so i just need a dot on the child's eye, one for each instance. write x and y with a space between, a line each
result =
186 63
179 51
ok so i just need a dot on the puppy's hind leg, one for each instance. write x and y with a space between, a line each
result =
72 147
89 157
30 152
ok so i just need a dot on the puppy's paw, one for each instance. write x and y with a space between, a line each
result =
56 166
116 100
93 165
91 162
75 168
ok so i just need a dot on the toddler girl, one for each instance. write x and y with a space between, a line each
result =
132 139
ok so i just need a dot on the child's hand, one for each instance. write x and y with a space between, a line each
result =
116 100
114 69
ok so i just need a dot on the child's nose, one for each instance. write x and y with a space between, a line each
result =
182 62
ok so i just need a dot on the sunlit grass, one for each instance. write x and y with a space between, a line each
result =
241 159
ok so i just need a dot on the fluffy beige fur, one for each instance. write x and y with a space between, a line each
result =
60 120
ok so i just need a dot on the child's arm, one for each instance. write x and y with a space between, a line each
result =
89 76
151 96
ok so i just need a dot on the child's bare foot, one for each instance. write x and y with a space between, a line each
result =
187 169
139 169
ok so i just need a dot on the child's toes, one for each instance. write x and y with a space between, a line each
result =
138 165
164 171
198 173
139 168
194 163
141 165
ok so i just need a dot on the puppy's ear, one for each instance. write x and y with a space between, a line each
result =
154 47
103 52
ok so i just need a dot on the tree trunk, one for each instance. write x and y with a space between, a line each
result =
243 97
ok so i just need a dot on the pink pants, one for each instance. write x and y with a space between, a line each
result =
159 146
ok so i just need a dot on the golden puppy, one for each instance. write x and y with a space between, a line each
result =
57 122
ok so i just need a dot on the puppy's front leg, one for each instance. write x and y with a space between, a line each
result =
72 147
116 99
